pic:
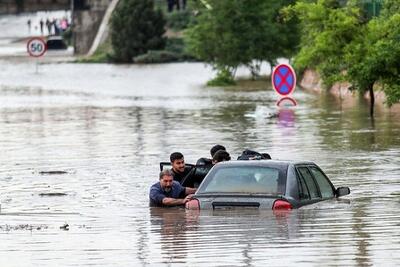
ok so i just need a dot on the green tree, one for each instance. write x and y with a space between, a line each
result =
136 27
326 29
229 33
390 8
340 44
374 59
270 36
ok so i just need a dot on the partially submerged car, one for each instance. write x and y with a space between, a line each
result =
264 184
56 43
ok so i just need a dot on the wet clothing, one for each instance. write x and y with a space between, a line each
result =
192 176
253 155
180 176
157 194
203 161
203 166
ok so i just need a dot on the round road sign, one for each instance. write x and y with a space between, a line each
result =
286 102
283 79
36 47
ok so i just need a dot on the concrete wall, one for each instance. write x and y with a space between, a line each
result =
16 6
86 24
8 6
312 82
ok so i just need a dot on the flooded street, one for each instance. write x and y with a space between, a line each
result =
81 145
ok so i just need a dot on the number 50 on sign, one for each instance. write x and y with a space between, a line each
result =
36 47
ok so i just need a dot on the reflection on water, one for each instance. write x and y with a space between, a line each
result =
80 144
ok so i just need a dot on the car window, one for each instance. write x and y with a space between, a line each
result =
249 179
303 191
324 185
312 187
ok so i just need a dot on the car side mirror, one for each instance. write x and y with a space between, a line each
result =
342 191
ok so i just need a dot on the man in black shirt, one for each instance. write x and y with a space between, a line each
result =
179 170
203 166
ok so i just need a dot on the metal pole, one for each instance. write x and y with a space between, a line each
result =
72 25
373 8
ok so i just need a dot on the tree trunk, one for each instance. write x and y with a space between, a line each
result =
271 67
20 6
372 99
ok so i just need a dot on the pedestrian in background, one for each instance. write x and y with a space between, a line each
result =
170 5
41 22
48 25
29 22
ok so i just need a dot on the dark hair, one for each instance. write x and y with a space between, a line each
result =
221 155
266 156
176 155
215 148
166 172
253 155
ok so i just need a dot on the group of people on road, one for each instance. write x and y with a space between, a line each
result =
54 26
177 185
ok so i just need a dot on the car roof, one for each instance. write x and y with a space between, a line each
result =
262 163
54 37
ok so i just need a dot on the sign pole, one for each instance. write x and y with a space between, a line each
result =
36 48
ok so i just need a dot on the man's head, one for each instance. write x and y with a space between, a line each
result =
215 148
177 162
221 155
166 180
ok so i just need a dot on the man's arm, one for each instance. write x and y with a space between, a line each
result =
189 190
169 201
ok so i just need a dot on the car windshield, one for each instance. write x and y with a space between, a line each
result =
249 179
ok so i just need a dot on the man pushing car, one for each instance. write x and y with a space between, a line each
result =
167 192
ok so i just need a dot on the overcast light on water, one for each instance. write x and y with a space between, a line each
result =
104 129
80 146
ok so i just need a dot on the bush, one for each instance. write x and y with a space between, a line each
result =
157 57
136 28
176 45
67 36
178 21
224 78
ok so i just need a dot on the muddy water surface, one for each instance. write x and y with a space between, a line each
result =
80 145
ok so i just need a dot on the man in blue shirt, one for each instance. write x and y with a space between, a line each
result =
168 192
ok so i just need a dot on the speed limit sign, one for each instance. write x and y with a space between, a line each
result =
36 47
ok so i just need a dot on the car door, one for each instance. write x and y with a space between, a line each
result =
308 188
313 186
325 186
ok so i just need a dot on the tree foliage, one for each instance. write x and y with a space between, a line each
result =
235 32
390 8
338 43
136 27
326 29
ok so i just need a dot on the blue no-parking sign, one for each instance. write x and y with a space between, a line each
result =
283 79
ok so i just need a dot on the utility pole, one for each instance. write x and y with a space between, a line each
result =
373 8
376 6
72 25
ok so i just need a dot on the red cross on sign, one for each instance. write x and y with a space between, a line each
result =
283 79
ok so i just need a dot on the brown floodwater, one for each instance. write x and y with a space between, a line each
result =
81 143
